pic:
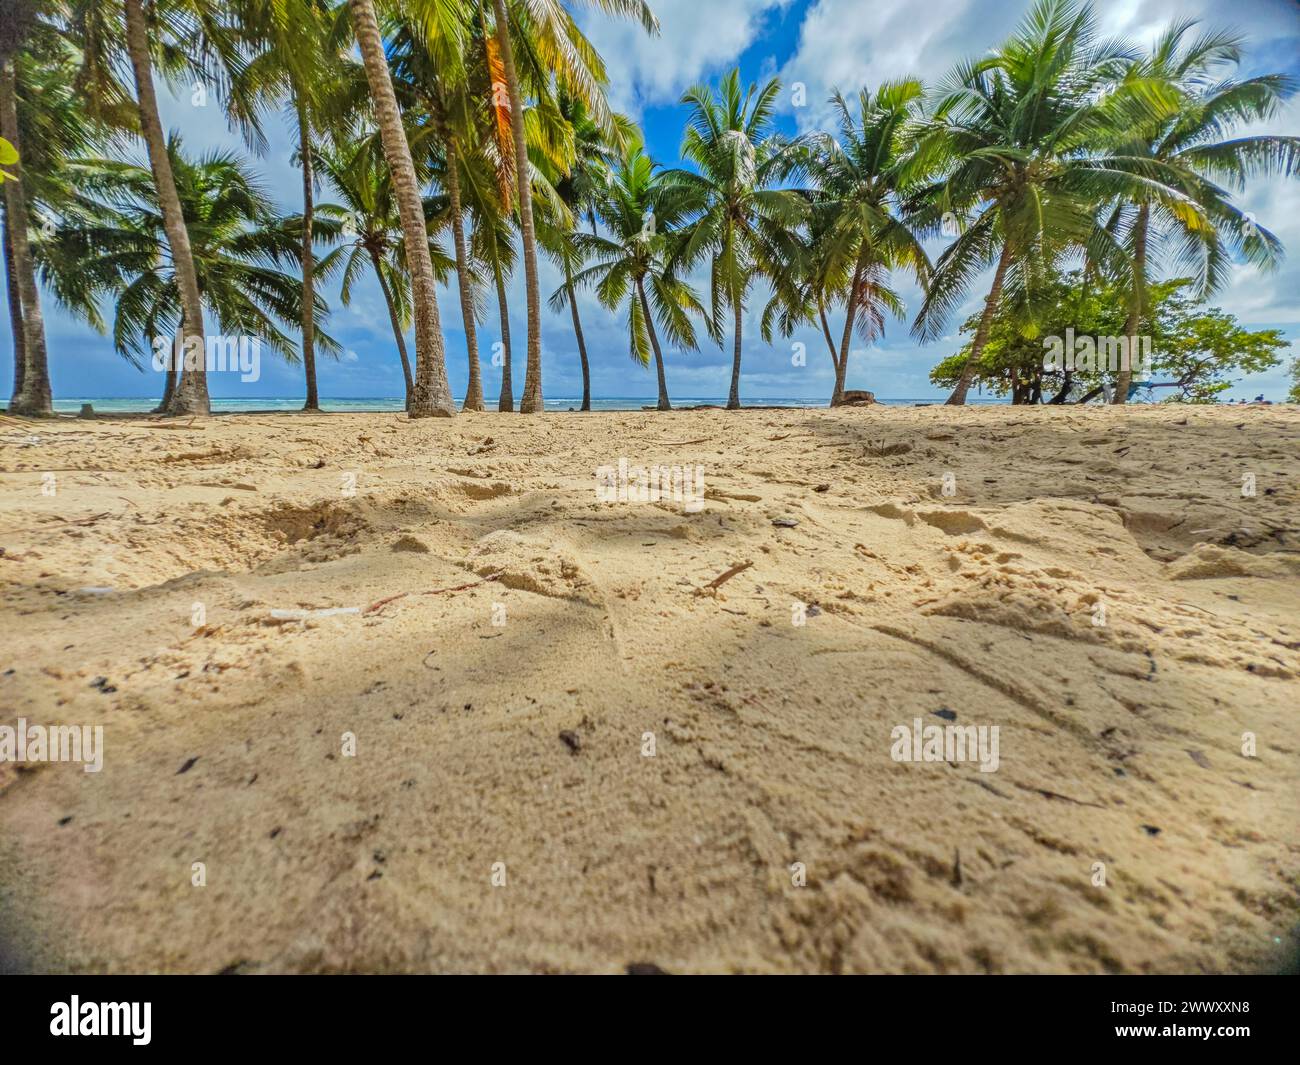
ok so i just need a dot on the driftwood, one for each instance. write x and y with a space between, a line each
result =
379 603
712 587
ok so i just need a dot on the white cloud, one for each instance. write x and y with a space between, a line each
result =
696 37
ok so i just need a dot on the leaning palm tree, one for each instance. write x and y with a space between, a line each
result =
556 45
743 225
1192 148
1009 131
432 392
114 238
31 393
858 231
370 229
642 212
191 394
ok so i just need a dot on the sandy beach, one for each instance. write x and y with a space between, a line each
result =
577 748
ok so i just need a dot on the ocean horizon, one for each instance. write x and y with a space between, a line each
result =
372 404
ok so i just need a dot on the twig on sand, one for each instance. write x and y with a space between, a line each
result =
712 587
380 603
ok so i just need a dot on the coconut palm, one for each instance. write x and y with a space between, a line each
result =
493 245
191 393
858 233
743 225
577 188
552 42
428 59
642 212
293 61
1192 148
1010 132
31 393
432 392
174 37
372 236
113 240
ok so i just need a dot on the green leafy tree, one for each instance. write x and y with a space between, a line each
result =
431 394
1194 349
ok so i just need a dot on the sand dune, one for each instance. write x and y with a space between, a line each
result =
505 649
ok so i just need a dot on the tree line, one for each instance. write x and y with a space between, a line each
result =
463 136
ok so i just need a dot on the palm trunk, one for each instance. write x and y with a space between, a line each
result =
15 309
733 400
531 401
826 332
32 390
474 390
398 334
850 318
191 394
1134 322
169 388
577 332
432 394
507 400
654 344
958 397
308 259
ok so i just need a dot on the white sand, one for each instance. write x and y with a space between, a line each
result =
522 742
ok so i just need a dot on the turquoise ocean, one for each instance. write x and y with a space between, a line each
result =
142 405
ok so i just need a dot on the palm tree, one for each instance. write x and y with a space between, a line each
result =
857 232
577 188
31 367
114 240
1191 148
370 226
493 246
557 45
55 123
531 401
427 57
432 392
1011 130
743 225
191 393
293 64
642 211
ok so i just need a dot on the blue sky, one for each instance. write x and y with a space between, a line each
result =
821 44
